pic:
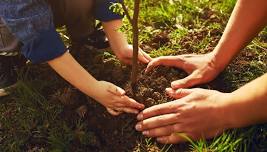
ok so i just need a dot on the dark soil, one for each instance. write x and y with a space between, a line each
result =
150 87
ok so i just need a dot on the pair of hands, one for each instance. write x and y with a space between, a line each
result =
196 113
113 97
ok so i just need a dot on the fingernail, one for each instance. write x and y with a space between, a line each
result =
138 127
145 133
140 117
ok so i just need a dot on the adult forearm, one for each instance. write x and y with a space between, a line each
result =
247 19
248 105
68 68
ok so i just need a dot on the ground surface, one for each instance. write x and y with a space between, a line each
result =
47 114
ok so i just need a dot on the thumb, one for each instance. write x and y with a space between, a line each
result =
113 112
187 82
172 61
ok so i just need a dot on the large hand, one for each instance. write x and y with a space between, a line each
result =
198 114
201 68
115 100
125 55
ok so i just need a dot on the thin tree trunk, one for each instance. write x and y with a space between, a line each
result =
135 43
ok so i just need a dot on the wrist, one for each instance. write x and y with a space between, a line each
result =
218 61
224 53
223 111
94 89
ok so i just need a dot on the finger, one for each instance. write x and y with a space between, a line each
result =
176 138
158 121
162 131
187 82
130 103
127 110
113 112
142 58
175 61
145 56
165 108
115 90
179 93
130 110
118 105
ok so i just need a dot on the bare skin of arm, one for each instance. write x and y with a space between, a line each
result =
109 95
246 21
201 113
119 44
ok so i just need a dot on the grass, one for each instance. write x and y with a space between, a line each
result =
31 121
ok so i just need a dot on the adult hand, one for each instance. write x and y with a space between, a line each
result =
125 55
201 68
198 114
115 100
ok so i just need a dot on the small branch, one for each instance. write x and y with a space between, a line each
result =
127 12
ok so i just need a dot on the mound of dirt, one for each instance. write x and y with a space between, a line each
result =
150 87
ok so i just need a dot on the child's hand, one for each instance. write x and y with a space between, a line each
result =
115 100
125 55
119 44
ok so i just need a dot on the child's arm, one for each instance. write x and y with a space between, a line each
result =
119 44
109 95
43 44
112 22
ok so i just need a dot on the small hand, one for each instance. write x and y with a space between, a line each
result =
201 68
197 114
125 55
115 100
